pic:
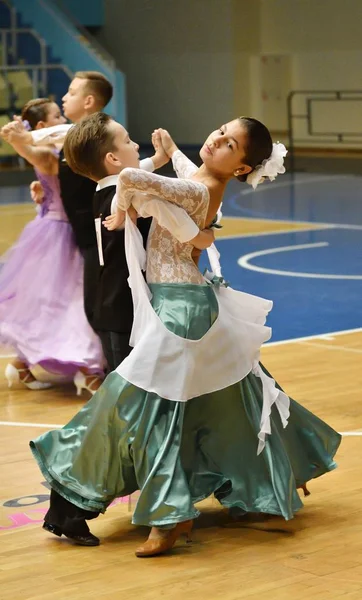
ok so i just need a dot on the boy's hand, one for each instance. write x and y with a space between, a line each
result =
167 142
204 239
117 220
160 157
37 192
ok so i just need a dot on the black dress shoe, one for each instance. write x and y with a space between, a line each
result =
52 528
82 540
88 539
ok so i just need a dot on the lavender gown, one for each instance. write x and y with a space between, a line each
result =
41 294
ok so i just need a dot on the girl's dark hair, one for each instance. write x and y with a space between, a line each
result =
35 111
259 145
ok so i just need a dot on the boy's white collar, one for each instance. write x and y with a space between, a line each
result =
107 182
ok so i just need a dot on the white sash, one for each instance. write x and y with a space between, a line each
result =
180 369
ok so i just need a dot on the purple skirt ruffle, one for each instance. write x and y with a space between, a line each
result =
41 301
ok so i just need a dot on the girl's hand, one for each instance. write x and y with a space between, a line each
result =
15 132
37 192
160 157
167 142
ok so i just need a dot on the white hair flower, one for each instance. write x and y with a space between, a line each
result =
270 168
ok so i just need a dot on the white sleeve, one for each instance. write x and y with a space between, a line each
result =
146 165
50 135
183 166
190 195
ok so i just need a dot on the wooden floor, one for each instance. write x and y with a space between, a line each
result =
317 555
13 219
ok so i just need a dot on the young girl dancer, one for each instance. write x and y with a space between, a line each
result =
191 412
41 283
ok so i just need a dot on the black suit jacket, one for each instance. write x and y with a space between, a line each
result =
112 308
77 196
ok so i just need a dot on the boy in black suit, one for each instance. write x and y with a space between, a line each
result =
99 148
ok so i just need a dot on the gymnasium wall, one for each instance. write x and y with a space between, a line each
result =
180 60
323 40
191 64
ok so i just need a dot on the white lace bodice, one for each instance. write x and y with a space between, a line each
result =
168 261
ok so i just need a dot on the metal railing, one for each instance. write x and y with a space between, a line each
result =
13 22
36 74
66 22
14 32
73 44
309 97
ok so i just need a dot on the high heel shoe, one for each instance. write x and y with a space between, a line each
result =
156 546
305 489
80 382
12 375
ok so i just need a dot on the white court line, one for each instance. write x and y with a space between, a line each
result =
320 336
313 337
338 226
327 347
15 424
244 261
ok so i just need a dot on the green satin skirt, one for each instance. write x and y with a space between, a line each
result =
126 439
